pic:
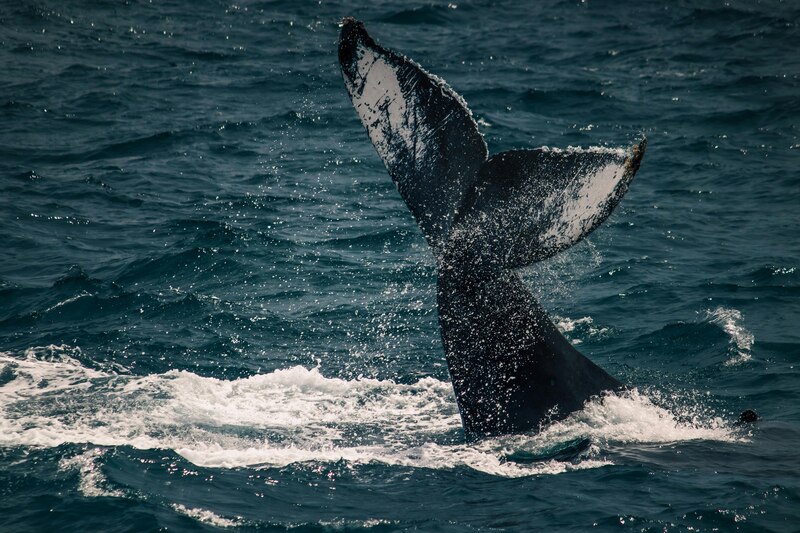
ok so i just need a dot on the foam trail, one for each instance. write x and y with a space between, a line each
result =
48 398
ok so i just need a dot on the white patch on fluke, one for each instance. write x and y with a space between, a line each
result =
581 203
293 415
384 108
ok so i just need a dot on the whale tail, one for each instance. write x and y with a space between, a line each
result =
484 217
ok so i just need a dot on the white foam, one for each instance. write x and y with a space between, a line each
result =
92 481
732 322
632 417
347 525
206 517
75 298
585 325
295 415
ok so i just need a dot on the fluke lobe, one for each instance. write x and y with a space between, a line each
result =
484 217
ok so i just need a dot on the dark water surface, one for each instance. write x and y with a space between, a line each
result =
216 311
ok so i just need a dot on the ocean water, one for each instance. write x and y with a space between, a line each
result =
217 313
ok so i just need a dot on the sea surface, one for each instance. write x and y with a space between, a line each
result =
217 313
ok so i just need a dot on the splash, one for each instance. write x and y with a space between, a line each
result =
297 415
92 482
633 418
584 327
732 323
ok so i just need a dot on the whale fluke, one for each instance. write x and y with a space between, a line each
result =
420 127
483 217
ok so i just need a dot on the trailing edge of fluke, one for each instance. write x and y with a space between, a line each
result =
483 217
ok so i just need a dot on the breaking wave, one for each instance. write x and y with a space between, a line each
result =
741 340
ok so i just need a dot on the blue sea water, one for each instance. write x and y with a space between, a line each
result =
217 312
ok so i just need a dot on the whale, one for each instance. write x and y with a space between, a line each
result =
485 217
